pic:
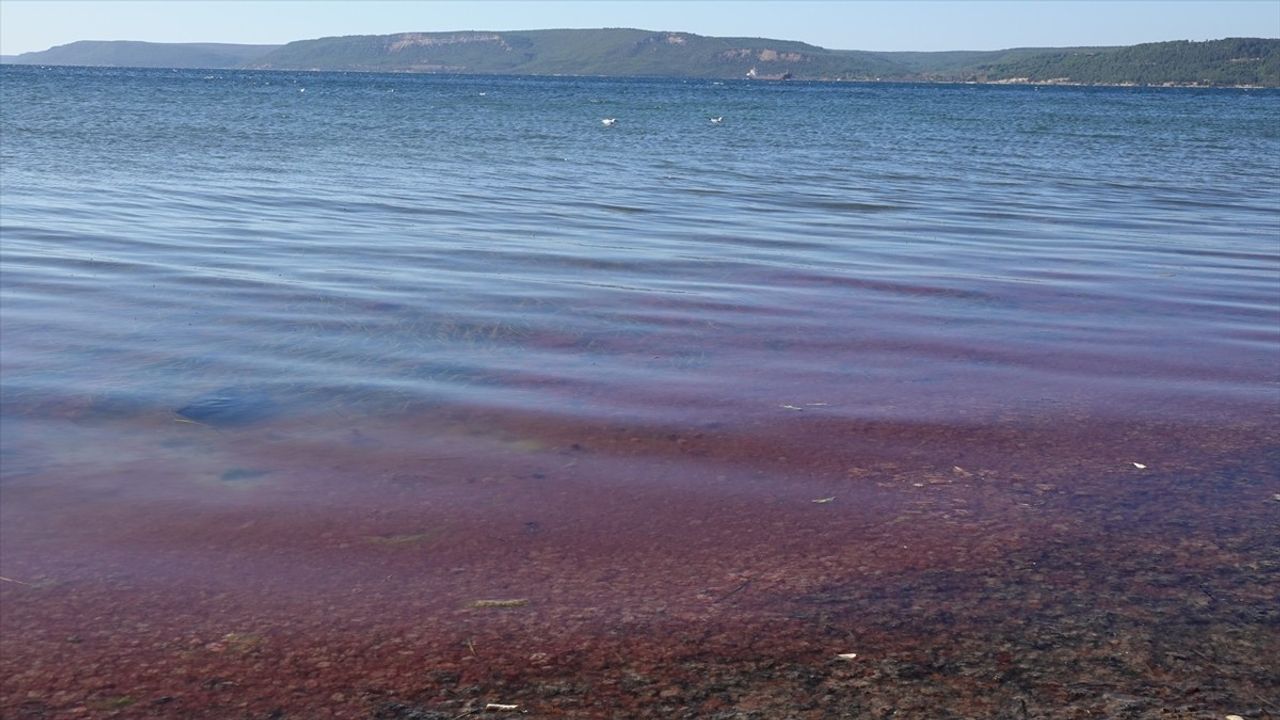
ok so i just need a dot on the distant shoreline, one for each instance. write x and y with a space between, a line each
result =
1017 82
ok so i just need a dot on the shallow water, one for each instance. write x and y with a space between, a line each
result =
314 361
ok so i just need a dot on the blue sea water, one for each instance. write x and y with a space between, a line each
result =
298 370
376 242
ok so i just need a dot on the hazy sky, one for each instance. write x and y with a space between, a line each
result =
923 25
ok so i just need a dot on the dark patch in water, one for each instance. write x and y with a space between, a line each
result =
237 474
401 711
231 406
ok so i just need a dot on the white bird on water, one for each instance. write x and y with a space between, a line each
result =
609 122
717 120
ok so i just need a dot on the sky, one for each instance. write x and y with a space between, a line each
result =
27 25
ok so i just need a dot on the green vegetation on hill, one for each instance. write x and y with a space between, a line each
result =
963 64
1234 61
627 52
624 52
616 52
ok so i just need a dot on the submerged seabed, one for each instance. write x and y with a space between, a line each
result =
1021 571
404 395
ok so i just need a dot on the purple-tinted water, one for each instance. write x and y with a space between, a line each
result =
299 366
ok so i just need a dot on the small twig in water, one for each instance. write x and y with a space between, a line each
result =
521 602
735 591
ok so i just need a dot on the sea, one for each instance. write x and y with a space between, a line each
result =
356 394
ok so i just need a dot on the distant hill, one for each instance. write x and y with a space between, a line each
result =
674 54
628 52
615 52
952 65
128 53
1234 61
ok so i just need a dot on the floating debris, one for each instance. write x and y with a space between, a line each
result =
824 501
847 656
500 707
499 603
30 585
791 407
609 122
1140 466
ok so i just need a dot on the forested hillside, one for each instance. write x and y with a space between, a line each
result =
620 52
1235 61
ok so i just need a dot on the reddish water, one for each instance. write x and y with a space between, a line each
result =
680 572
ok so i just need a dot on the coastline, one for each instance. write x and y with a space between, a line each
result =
1056 82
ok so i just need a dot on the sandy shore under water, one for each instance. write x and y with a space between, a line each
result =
1028 570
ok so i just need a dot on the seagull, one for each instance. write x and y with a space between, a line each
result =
717 120
609 122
